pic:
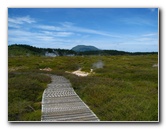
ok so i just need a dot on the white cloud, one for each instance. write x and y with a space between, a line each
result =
47 27
19 33
13 25
41 39
63 34
67 24
144 39
70 27
58 34
18 22
150 34
21 20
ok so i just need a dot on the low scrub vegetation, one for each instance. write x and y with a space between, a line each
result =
124 89
24 96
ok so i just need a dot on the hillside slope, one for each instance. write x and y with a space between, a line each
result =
23 50
26 50
82 48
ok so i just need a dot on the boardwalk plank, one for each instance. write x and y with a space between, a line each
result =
61 103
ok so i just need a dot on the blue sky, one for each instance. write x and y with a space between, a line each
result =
126 29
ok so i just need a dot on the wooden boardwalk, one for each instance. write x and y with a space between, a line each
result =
61 103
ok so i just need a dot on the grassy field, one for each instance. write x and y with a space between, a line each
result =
125 89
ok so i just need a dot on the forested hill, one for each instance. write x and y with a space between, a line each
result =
17 50
26 50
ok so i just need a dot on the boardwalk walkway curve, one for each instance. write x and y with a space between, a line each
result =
61 103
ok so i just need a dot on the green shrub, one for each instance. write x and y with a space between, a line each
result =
25 95
33 116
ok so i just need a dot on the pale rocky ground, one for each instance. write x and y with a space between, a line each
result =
81 73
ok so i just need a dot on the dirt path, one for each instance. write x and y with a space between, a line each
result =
61 103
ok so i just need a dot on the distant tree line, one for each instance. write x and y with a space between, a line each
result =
22 50
113 52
